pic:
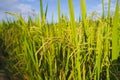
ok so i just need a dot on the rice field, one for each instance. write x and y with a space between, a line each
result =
66 50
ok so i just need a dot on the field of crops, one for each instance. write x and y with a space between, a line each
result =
66 50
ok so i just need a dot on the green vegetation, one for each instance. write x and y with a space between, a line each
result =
67 50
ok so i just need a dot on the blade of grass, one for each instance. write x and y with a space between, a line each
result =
41 9
72 19
58 11
83 13
109 4
59 22
102 9
115 46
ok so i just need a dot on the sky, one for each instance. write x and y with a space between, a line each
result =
31 7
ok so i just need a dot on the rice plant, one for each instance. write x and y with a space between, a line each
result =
66 50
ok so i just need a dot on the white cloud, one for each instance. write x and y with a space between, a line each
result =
31 0
24 8
28 0
7 4
2 15
99 6
16 6
106 1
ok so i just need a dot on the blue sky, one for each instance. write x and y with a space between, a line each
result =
31 7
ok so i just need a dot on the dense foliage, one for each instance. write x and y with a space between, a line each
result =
67 50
